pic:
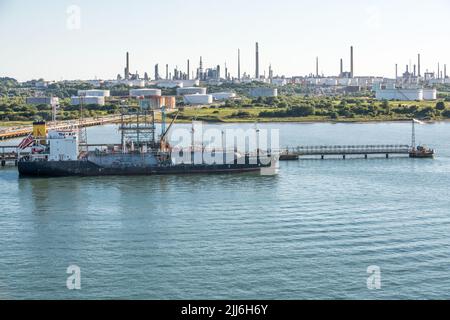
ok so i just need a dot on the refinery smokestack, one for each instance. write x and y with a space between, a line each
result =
317 67
188 69
351 63
396 71
127 67
257 61
342 68
418 65
239 64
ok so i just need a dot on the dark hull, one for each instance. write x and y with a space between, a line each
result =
421 154
86 168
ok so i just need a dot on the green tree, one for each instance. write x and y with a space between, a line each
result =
440 105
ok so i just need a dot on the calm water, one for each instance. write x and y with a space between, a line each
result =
309 233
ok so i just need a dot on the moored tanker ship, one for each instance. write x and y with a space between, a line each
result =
60 153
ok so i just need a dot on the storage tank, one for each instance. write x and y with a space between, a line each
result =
191 90
190 83
168 84
145 92
400 94
94 93
220 96
75 101
331 82
344 81
429 94
198 99
263 92
279 82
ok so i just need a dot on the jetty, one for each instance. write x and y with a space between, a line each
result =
23 131
295 153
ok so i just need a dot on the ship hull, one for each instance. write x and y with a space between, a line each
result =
87 168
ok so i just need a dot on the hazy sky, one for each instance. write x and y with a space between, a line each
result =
43 39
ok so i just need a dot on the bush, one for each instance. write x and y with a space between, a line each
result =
440 105
446 113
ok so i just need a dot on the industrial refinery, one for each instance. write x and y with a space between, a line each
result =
415 83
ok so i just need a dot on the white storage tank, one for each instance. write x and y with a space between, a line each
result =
429 94
279 82
145 92
75 101
400 94
220 96
198 99
168 84
331 82
344 81
263 92
191 90
189 83
94 93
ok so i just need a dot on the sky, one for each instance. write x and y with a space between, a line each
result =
81 39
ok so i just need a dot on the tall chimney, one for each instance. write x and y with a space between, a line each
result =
188 68
317 67
342 68
445 71
127 68
239 64
396 71
167 72
439 70
257 61
156 72
351 63
418 65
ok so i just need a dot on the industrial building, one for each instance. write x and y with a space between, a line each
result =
42 100
198 99
221 96
144 92
100 101
263 92
191 90
94 93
